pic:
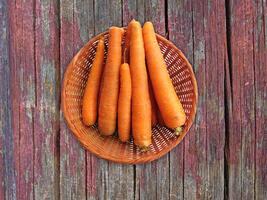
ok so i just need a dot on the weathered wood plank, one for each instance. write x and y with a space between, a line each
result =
152 179
107 13
114 181
155 12
46 115
194 170
76 28
84 17
7 169
120 181
22 64
260 60
180 32
215 54
194 26
242 136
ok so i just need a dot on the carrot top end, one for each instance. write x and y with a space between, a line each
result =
178 130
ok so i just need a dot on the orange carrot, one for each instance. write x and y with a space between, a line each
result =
124 103
169 104
107 112
153 104
141 106
90 98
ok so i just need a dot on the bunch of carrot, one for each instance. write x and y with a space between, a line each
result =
133 90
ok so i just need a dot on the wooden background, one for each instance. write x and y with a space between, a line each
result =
224 156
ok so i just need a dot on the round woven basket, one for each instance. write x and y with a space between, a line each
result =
110 148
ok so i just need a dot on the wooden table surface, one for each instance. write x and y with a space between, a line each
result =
224 156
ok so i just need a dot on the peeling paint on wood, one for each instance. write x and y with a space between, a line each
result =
7 169
72 155
23 94
222 157
260 57
242 135
180 32
46 113
133 10
215 37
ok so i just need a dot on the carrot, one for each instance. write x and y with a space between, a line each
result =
153 104
101 80
90 98
169 104
107 112
141 106
124 103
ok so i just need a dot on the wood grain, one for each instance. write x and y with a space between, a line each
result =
242 135
7 169
46 113
260 61
84 29
22 64
133 9
182 182
74 32
215 50
222 157
192 27
247 143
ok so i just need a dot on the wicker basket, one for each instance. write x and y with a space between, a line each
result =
111 148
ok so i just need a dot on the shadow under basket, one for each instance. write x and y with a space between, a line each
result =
110 148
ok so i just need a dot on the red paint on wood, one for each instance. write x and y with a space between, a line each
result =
215 37
91 181
195 27
46 115
195 145
133 10
180 33
260 60
242 136
196 165
72 155
2 174
7 169
23 93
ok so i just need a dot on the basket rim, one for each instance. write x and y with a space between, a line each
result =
140 160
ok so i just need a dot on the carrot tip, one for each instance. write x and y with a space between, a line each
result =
178 130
